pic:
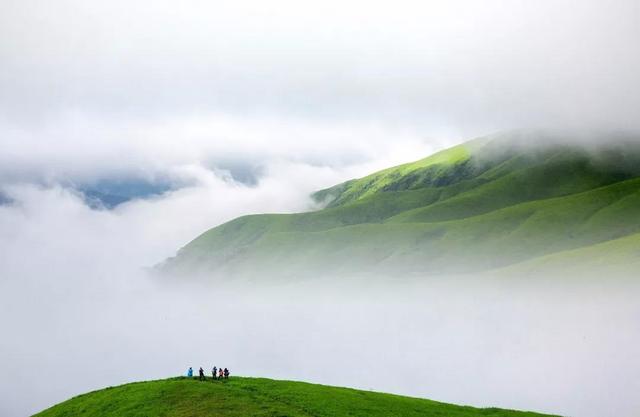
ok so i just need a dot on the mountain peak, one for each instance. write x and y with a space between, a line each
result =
488 203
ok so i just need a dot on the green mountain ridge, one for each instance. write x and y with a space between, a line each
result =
186 397
487 204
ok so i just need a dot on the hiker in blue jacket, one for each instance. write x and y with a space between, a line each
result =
190 372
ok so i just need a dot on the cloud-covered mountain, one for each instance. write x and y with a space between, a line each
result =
490 203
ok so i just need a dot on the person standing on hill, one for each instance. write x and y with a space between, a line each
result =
220 373
214 371
226 373
190 372
201 373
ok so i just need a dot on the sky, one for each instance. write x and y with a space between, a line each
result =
232 108
98 88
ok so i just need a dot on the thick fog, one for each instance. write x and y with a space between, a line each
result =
90 90
80 313
84 82
228 108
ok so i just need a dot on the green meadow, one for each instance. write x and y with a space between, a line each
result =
186 397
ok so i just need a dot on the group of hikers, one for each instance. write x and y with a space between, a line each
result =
215 372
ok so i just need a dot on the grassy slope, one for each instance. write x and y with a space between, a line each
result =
182 397
517 233
621 256
489 203
404 176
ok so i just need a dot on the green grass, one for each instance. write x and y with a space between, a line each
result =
403 177
489 203
186 397
621 257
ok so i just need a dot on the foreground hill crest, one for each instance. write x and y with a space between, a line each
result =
490 203
182 397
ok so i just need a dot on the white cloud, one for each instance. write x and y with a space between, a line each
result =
92 87
457 64
83 148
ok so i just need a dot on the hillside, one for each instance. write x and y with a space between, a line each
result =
182 397
489 203
620 256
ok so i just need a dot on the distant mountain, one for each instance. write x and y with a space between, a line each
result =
110 193
491 203
186 397
5 199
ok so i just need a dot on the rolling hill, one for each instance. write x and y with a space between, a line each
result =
183 397
487 204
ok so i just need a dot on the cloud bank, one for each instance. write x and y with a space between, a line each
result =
92 87
459 63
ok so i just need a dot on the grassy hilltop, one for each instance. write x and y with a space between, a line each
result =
490 203
182 397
